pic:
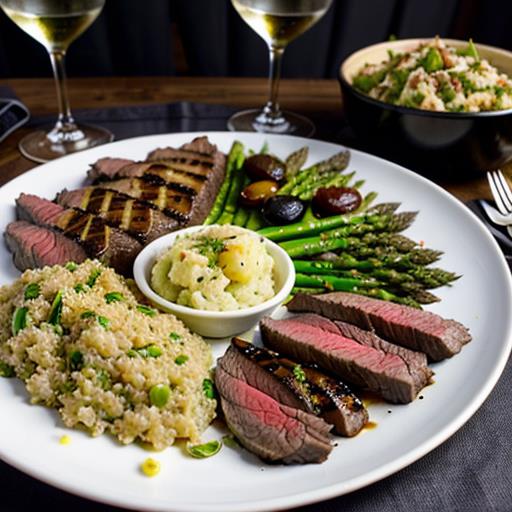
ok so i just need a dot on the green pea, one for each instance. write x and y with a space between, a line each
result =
19 320
71 266
154 351
202 451
208 388
104 322
159 395
181 359
32 291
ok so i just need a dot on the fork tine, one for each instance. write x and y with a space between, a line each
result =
496 193
507 193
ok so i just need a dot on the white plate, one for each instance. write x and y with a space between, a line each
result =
233 480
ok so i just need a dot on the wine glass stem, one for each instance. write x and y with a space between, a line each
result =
65 128
271 114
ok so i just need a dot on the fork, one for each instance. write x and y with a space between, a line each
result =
502 194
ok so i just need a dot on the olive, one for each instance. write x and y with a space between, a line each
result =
335 200
280 210
265 167
256 193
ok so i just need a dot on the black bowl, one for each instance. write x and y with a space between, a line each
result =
437 144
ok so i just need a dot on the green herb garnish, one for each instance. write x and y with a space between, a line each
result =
71 266
6 370
19 320
104 322
56 309
211 248
147 351
433 61
88 314
230 441
32 291
174 336
146 310
79 288
103 378
114 297
469 51
76 360
93 277
208 388
202 451
298 373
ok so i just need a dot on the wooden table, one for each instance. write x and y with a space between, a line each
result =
319 99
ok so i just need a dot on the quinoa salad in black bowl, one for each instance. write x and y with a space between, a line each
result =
440 107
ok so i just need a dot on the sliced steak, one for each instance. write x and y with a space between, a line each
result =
36 247
171 201
413 328
273 431
106 168
299 386
139 219
197 168
416 361
367 367
99 240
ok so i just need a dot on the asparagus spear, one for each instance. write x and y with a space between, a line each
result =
238 179
234 161
295 161
337 180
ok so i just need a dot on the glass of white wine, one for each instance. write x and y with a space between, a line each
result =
56 24
278 22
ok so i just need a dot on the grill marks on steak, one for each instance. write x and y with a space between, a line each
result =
99 240
413 328
36 247
309 390
386 374
273 431
137 218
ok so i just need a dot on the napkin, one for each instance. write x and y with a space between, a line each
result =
13 113
498 232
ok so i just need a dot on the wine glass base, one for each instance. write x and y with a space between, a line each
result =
38 147
246 121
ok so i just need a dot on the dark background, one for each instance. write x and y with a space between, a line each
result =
207 37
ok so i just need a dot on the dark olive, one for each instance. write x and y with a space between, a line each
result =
256 193
265 167
279 210
335 200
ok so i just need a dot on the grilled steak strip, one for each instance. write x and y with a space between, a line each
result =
190 177
36 247
172 202
139 219
386 374
413 328
99 240
274 432
415 361
298 386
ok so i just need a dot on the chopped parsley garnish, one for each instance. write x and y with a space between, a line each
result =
79 288
181 359
93 277
19 320
104 322
298 373
208 388
56 309
211 248
6 370
114 297
88 314
146 310
147 351
76 360
71 266
174 336
32 291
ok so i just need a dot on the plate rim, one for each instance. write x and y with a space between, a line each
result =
325 492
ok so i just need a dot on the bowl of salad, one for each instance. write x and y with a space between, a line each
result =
442 107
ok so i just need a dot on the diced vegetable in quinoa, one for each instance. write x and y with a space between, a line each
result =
437 77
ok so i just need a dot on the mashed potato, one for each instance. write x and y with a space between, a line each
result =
80 341
218 268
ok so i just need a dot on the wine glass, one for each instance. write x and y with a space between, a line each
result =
56 24
278 22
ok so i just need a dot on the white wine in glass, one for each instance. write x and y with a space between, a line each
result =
56 24
277 22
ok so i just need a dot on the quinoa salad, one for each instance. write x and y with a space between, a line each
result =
81 343
435 76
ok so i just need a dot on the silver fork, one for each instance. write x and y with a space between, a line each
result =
501 193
